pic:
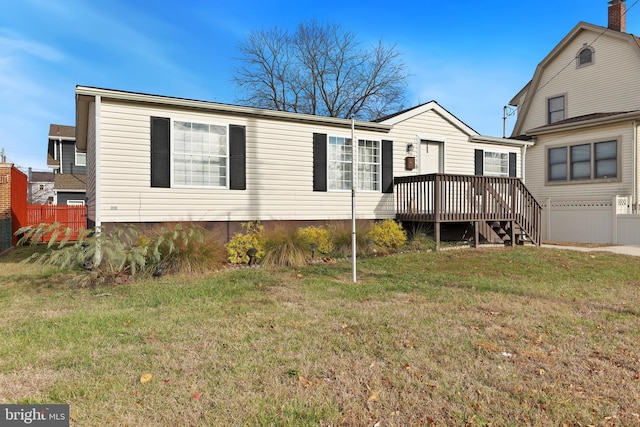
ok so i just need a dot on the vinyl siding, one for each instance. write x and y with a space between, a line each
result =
279 173
605 86
458 151
91 164
536 165
69 159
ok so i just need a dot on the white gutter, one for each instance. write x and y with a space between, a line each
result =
96 168
229 109
499 141
634 201
97 226
523 158
60 145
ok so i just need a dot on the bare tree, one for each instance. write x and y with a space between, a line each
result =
320 69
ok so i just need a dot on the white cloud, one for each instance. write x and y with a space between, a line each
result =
12 43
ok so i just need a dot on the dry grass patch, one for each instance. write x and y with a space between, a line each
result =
519 336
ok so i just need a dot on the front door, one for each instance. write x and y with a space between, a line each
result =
431 157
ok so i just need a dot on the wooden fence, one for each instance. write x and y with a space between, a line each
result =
73 217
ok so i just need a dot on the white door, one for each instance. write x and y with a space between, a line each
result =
431 157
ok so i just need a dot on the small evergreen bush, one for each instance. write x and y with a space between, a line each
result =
240 243
387 234
319 236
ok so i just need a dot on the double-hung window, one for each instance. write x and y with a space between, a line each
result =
339 164
583 162
496 164
199 154
555 109
332 164
339 161
81 158
193 154
368 165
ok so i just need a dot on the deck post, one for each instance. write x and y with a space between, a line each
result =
476 234
512 234
436 208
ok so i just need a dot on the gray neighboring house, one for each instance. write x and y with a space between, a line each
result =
40 188
68 164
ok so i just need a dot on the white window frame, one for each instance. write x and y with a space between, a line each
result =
502 162
345 164
375 166
174 153
82 155
364 162
75 202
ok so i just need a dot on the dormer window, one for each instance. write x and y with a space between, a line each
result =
585 56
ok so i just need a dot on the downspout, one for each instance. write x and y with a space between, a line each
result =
60 148
523 160
634 197
96 169
96 162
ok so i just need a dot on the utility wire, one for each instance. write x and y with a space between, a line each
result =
528 97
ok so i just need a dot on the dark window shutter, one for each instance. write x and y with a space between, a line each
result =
237 157
387 166
160 152
479 162
319 162
512 164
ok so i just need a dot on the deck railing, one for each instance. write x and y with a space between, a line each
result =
441 198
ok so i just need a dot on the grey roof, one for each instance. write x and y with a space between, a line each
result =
41 177
69 181
62 131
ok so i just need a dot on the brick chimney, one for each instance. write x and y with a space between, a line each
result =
617 16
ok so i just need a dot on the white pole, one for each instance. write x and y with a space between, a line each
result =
354 170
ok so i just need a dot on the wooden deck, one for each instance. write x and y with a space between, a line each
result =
502 204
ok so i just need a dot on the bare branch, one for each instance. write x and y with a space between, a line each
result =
320 69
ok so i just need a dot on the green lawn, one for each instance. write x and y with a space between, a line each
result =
522 336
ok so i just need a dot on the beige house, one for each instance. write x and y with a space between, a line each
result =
154 159
581 110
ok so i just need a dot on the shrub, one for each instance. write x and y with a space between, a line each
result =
421 235
316 235
183 249
341 236
387 234
125 252
240 243
285 248
108 255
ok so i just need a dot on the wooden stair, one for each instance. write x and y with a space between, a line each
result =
501 209
507 232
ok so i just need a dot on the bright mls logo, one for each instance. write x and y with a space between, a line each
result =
34 415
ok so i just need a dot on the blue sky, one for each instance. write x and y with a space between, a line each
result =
472 57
